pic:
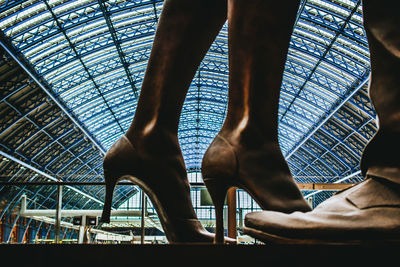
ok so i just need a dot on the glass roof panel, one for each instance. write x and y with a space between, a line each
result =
81 58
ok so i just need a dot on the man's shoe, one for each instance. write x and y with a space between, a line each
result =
366 213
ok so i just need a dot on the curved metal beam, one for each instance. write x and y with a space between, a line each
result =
47 175
331 113
47 91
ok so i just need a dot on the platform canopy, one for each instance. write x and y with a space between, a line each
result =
71 73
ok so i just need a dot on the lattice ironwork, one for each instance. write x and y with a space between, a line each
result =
91 56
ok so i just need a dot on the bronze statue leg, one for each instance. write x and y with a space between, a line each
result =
185 32
382 24
149 154
246 152
259 35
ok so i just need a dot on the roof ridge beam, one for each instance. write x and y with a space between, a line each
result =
82 63
117 45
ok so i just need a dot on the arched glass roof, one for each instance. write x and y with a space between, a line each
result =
84 63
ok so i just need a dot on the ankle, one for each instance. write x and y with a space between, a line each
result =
251 136
157 138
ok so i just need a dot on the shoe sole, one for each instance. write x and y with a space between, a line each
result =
280 240
168 228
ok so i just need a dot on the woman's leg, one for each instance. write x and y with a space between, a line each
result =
246 152
259 35
149 153
185 32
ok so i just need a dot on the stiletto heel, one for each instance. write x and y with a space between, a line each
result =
162 178
235 165
218 189
110 185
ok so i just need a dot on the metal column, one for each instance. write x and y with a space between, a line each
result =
232 212
144 208
58 214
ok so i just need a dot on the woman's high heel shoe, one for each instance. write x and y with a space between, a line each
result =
261 171
163 178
